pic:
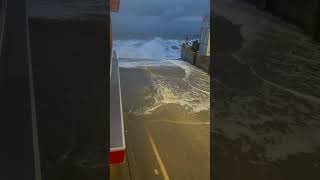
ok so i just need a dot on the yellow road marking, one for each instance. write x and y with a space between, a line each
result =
154 148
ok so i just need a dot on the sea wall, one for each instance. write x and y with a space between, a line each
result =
187 54
202 62
194 58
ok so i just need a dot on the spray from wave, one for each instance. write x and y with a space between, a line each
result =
156 48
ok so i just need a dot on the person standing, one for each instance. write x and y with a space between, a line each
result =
187 41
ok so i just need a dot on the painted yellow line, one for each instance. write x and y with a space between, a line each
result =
154 148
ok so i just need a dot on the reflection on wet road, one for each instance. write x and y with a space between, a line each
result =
166 114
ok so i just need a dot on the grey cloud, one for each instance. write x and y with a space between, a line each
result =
160 16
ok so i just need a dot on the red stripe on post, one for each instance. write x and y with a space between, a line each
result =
117 157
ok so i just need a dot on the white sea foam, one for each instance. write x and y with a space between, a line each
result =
191 91
130 63
195 77
171 93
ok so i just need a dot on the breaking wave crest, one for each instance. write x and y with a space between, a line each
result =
155 48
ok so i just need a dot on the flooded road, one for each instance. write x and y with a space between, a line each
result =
166 116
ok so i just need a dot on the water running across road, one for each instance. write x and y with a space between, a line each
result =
167 119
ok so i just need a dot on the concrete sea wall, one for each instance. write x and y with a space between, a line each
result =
187 54
202 62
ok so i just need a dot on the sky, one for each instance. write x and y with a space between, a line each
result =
160 17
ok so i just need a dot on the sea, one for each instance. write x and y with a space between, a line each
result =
148 48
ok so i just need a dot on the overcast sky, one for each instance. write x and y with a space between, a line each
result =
168 17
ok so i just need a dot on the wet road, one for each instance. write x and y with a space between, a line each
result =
166 115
